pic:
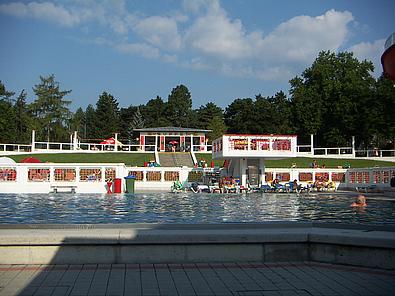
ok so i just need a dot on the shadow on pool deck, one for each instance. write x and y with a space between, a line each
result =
196 259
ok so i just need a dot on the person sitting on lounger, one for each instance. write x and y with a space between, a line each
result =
360 201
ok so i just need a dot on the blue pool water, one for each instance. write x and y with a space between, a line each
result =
190 208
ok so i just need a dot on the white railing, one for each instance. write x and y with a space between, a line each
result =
342 151
333 151
15 148
374 153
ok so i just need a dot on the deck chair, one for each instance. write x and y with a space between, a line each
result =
177 187
266 188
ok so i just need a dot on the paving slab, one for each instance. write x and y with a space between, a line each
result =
237 278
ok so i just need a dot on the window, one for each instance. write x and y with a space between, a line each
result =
172 176
153 176
305 177
110 174
7 174
38 175
338 177
91 175
281 145
62 174
283 177
324 177
138 175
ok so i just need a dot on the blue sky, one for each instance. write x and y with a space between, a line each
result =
221 50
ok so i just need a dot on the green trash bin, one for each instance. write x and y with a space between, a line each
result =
129 180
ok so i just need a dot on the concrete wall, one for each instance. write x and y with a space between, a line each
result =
153 243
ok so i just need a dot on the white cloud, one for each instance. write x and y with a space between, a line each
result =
370 51
43 11
159 31
296 40
142 49
202 36
201 6
301 38
215 34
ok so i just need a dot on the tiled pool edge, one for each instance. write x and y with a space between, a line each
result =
158 243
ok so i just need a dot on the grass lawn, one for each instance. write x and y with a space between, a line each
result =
138 159
133 159
304 162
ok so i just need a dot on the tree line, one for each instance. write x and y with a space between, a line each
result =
335 98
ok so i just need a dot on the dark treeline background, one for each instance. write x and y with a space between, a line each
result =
335 98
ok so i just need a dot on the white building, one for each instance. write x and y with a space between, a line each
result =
245 154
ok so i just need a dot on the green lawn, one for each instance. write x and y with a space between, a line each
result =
304 162
138 159
133 159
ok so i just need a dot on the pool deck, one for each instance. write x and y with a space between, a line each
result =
198 259
234 278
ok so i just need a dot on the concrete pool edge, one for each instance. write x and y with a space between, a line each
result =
368 246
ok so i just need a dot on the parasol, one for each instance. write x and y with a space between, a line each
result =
6 160
111 141
30 160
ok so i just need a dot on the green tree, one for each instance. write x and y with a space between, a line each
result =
179 106
126 119
78 122
154 113
90 128
281 113
5 95
265 117
138 120
107 116
240 116
7 119
23 120
50 110
206 113
332 98
217 126
382 113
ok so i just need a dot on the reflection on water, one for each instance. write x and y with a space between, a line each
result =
189 208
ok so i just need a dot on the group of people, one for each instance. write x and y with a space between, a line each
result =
152 163
315 165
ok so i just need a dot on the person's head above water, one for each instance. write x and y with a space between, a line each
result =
360 201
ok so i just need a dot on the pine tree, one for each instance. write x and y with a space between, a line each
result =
107 116
50 110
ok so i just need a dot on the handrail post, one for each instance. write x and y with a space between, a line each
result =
353 146
33 140
312 144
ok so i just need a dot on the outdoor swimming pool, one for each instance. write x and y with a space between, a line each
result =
190 208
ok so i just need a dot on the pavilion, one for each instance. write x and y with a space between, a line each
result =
167 139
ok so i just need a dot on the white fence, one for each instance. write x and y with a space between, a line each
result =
91 178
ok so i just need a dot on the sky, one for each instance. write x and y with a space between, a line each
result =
221 50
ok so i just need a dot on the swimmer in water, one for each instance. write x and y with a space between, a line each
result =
360 201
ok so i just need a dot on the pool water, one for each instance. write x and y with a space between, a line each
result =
190 208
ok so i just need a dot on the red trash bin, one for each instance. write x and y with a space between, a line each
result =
117 185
